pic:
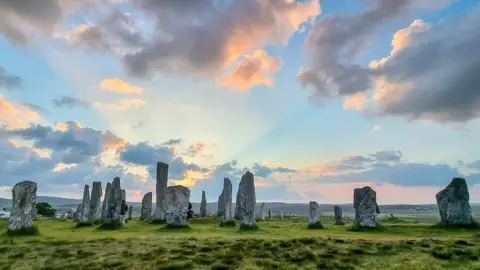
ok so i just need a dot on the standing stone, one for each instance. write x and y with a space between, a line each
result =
85 206
130 210
114 215
453 203
220 204
261 215
281 214
77 212
95 205
314 216
176 202
24 200
366 207
227 218
269 214
162 179
203 205
246 201
146 211
105 201
338 215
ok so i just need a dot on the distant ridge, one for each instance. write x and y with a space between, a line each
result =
51 200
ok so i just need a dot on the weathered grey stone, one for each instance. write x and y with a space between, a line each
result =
453 203
124 195
203 205
220 205
85 206
261 215
176 202
24 199
269 214
95 205
146 211
337 210
130 212
281 214
313 214
227 201
366 207
77 212
246 200
162 180
114 207
105 201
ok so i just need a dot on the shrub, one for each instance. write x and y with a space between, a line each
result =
45 209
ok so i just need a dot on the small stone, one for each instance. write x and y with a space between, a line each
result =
269 214
261 215
203 205
314 216
338 215
130 210
366 207
162 180
177 199
453 203
146 212
24 200
246 201
281 214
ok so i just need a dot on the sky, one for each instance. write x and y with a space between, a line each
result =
315 97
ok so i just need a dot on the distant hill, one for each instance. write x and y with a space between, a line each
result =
51 200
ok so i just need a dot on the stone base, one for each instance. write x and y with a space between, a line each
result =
23 231
317 225
248 227
111 226
230 223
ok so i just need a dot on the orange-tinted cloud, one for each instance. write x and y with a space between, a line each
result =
355 102
121 105
16 115
118 85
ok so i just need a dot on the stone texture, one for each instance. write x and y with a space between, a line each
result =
246 200
114 206
162 180
220 205
261 215
84 214
24 199
313 214
105 201
146 211
203 205
77 212
130 212
176 202
366 207
453 203
337 210
95 203
281 214
227 201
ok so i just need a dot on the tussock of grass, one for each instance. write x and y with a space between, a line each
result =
358 228
23 231
230 223
176 227
111 226
248 227
315 226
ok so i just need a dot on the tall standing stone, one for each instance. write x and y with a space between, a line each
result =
366 207
227 218
114 215
261 215
130 212
453 203
176 202
24 200
105 201
314 216
337 210
77 212
95 205
246 201
146 211
220 204
85 206
162 180
203 205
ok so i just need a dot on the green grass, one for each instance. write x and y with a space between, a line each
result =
279 244
230 223
315 226
23 231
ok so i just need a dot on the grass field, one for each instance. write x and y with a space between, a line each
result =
276 245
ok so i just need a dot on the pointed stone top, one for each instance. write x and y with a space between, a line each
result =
203 192
248 173
109 184
161 164
226 179
26 182
116 178
458 181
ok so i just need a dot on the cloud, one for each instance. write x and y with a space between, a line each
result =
173 142
376 128
266 171
429 74
196 149
9 82
70 102
34 107
355 102
118 85
253 69
121 105
474 165
14 115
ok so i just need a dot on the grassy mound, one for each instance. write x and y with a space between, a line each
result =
315 226
23 231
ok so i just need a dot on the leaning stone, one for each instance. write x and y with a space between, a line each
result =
146 211
246 201
24 199
105 201
95 205
453 203
314 217
261 215
162 180
130 210
366 207
203 205
176 201
85 207
338 215
114 218
227 218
